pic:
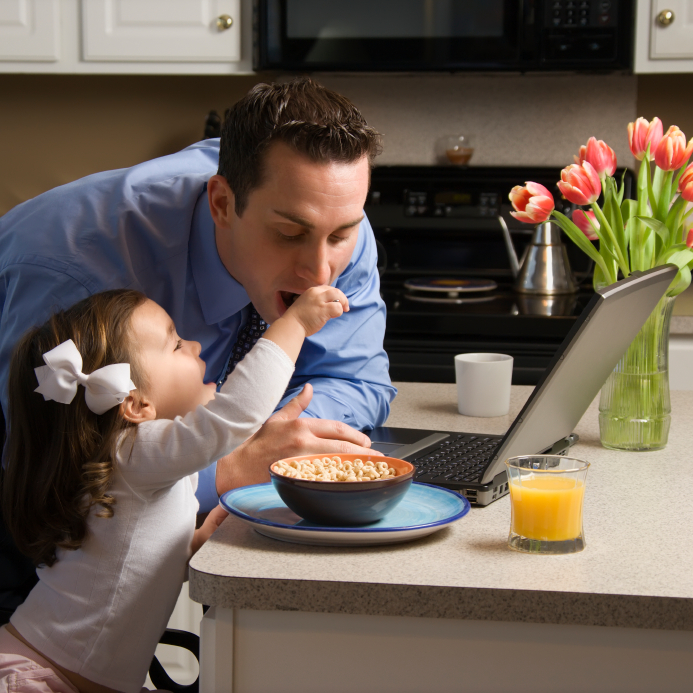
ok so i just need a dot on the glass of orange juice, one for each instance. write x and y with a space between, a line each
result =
546 494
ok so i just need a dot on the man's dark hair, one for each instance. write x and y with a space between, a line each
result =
319 123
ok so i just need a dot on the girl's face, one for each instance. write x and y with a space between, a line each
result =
172 365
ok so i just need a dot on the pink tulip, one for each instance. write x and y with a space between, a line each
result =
580 184
689 238
686 184
600 155
672 152
582 221
533 202
581 155
641 133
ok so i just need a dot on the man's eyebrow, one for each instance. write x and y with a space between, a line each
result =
294 218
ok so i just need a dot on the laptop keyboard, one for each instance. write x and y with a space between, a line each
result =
461 458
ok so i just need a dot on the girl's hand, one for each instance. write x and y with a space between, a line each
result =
214 518
314 307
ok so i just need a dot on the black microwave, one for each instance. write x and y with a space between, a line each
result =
443 35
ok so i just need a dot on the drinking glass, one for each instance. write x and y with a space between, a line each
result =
546 495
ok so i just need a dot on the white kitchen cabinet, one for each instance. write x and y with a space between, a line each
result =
664 36
30 30
209 37
161 30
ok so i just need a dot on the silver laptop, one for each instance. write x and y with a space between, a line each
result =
473 464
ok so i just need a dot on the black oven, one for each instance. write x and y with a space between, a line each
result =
435 225
443 35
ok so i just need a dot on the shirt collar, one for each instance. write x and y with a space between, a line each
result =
220 294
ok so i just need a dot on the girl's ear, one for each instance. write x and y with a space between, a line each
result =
137 409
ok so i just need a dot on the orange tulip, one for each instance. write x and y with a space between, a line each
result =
582 221
686 184
672 151
580 184
641 133
689 238
533 203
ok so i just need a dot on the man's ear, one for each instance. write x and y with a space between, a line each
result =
221 201
137 409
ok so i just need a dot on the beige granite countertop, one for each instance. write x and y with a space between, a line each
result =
636 571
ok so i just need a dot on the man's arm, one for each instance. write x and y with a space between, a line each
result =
31 290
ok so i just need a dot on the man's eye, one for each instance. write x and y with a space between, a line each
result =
289 239
179 344
339 239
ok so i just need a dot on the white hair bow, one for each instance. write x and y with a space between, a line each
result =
58 380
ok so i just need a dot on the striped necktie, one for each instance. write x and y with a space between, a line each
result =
246 340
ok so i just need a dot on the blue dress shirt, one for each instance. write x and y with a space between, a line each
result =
149 228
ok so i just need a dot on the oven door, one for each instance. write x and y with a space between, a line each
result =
402 35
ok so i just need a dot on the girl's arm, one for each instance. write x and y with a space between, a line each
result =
160 452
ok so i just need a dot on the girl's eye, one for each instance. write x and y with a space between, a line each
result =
179 344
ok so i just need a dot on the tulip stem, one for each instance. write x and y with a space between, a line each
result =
617 250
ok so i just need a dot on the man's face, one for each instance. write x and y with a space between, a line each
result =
298 229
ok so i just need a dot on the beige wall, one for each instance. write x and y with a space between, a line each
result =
56 128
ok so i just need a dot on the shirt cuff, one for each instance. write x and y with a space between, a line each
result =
206 492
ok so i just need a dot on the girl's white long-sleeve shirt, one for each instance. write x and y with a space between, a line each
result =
99 611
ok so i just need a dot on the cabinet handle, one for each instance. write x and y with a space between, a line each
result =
665 18
224 22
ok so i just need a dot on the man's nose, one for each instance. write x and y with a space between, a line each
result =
314 266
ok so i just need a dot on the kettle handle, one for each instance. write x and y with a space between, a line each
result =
512 255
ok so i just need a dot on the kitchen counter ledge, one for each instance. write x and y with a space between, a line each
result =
636 571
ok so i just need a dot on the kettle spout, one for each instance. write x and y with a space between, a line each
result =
512 255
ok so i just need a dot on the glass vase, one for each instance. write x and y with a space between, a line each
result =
634 406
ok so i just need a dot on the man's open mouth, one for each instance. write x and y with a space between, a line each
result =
288 298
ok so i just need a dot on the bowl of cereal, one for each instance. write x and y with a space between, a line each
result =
341 490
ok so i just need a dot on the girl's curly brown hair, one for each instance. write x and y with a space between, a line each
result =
59 459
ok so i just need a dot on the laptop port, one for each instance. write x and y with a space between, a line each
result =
470 493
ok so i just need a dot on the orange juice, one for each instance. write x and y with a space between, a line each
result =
547 507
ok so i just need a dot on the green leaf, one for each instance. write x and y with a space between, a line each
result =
665 196
680 255
659 227
681 282
621 188
580 240
628 209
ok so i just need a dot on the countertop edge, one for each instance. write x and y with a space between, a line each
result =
422 601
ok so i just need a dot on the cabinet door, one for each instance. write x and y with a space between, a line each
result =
674 39
29 30
161 30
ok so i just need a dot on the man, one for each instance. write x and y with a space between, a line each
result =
283 213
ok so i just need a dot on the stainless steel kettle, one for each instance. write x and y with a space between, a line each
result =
544 267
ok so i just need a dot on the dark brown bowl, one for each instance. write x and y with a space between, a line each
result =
344 503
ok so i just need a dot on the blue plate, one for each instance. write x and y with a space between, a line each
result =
423 510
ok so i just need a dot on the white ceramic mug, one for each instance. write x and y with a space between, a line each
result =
483 384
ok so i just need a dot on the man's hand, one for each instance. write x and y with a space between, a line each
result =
285 435
211 522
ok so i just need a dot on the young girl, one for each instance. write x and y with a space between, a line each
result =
100 474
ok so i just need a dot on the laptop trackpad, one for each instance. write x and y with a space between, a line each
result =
402 442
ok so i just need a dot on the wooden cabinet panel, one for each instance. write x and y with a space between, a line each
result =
161 30
30 30
674 40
